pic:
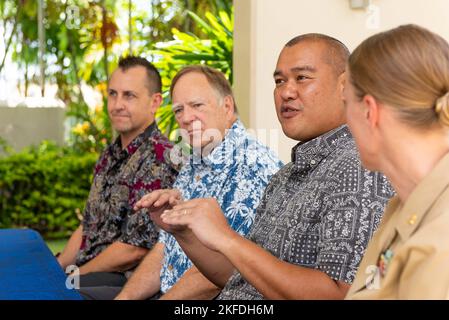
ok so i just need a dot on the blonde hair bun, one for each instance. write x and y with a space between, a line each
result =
442 109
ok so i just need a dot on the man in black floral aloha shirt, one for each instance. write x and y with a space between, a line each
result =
112 238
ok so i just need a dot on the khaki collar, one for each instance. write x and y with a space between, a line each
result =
406 219
422 198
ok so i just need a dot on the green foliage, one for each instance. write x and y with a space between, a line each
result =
5 147
44 188
186 49
92 132
85 38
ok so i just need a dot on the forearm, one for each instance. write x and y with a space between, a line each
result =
118 257
212 264
68 255
192 286
145 281
277 279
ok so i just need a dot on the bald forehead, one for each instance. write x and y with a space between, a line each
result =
197 77
302 55
330 52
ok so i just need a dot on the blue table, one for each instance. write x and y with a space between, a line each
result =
28 269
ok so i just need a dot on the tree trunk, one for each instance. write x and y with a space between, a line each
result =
105 44
9 43
26 79
130 27
189 5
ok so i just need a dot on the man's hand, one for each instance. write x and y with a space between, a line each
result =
204 218
158 201
155 200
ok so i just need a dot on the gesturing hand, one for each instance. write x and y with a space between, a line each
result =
158 201
204 217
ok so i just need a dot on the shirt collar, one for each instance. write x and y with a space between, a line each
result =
422 198
307 155
224 153
116 147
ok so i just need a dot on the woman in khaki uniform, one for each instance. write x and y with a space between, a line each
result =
397 97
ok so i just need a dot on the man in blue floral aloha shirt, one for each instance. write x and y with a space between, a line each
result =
226 164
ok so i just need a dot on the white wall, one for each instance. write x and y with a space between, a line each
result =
23 126
262 27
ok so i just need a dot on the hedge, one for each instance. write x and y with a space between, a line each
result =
45 188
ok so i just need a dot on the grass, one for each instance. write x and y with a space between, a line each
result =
56 245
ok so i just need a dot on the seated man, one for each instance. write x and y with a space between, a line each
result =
112 238
226 163
318 212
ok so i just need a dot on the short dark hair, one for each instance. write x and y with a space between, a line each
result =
153 76
215 78
338 53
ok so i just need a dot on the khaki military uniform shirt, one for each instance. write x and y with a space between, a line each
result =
408 257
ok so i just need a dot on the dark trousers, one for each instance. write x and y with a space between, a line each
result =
101 285
99 293
104 286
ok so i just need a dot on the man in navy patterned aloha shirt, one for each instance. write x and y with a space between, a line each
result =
112 238
227 164
317 214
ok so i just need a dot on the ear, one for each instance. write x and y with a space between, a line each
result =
372 110
341 80
228 105
156 101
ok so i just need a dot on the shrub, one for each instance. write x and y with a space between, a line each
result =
45 188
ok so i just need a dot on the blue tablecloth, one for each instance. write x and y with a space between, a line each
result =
28 269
